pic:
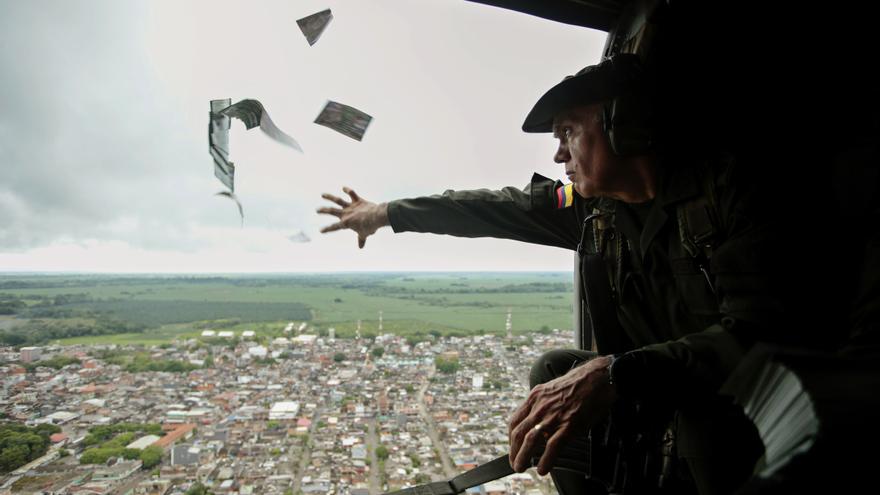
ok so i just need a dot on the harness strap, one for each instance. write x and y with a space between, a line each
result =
698 226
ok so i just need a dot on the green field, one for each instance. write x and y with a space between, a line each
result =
174 306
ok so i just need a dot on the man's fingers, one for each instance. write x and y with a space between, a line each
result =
523 457
514 447
516 428
551 451
353 195
334 227
518 416
519 438
336 199
336 212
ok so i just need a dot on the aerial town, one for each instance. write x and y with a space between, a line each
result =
296 414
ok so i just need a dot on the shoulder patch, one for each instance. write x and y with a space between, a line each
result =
564 196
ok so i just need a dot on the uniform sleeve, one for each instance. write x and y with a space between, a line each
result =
527 215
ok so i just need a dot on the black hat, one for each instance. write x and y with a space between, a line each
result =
593 84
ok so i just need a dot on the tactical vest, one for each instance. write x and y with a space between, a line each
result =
604 250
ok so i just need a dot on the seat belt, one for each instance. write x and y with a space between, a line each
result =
574 456
484 473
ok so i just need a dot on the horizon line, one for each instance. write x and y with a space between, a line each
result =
327 272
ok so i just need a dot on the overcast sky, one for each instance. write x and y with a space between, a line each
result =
103 135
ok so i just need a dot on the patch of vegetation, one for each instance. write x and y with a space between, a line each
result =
447 366
104 433
160 312
11 305
55 362
112 439
142 362
41 331
198 489
102 455
157 309
20 444
32 484
382 452
266 361
151 456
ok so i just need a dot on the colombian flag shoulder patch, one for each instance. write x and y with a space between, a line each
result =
564 196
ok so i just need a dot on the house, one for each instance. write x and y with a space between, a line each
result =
185 455
117 472
285 410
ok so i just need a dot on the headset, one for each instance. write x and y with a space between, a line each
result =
627 118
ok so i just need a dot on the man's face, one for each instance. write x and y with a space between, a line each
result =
584 149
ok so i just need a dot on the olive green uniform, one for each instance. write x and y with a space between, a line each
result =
686 329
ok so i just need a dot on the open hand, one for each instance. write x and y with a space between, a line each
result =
362 216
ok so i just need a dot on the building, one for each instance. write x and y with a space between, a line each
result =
116 472
359 451
175 432
143 442
58 437
59 417
477 382
30 354
258 351
305 339
185 455
495 488
284 411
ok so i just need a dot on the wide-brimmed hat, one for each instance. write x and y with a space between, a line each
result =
605 81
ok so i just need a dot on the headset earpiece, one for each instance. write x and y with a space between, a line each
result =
627 118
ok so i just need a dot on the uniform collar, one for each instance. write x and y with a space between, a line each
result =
676 184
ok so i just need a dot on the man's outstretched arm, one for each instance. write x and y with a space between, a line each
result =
529 215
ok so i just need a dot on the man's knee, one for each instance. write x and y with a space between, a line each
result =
555 363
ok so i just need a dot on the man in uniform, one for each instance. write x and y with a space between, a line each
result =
697 265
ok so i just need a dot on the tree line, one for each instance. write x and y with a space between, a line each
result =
20 444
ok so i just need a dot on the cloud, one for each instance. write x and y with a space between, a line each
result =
87 139
103 131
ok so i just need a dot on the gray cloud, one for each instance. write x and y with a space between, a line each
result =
103 139
87 140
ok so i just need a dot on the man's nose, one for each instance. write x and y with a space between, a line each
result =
562 154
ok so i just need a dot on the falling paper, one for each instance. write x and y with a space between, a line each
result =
252 113
231 196
218 143
344 119
314 25
299 237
